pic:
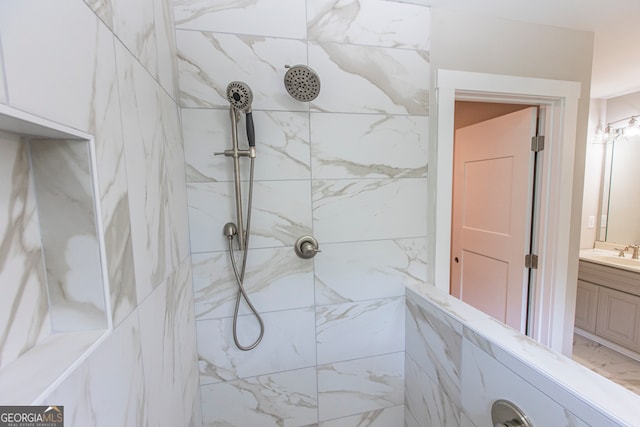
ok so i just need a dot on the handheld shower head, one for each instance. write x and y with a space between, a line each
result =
240 97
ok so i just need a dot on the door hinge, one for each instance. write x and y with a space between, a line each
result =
537 143
531 261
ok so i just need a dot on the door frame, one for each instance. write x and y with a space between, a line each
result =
553 305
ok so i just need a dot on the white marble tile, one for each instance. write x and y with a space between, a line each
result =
376 23
208 62
362 385
409 420
24 306
425 400
92 90
114 369
153 174
368 146
104 10
347 272
593 398
274 18
167 335
144 152
288 343
106 125
196 420
119 251
166 47
281 213
597 400
285 399
485 380
465 421
112 181
4 99
31 377
443 305
371 79
434 342
67 73
134 24
388 417
369 209
361 329
174 196
282 145
607 362
275 279
64 191
54 69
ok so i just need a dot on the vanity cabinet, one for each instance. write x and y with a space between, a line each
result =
618 318
608 304
586 306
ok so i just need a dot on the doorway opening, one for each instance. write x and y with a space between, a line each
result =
494 208
553 298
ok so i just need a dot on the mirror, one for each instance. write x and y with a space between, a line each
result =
620 204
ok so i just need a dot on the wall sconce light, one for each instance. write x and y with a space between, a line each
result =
631 128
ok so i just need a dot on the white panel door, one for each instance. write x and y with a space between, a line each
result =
493 177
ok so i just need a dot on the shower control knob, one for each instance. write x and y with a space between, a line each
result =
506 414
306 247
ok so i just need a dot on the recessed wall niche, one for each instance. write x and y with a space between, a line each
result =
53 297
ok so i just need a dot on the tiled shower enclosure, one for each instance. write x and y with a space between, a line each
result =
349 168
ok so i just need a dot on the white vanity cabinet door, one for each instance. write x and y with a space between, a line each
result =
586 306
619 318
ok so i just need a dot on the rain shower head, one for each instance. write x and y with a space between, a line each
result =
240 96
302 83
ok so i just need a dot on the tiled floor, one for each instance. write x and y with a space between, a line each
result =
608 363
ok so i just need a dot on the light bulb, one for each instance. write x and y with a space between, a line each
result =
632 128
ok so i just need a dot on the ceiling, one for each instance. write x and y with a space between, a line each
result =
616 56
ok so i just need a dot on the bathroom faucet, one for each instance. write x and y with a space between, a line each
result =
622 251
626 248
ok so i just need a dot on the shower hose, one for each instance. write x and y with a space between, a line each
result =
239 275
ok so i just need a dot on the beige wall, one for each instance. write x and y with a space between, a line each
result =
601 112
489 45
623 106
475 43
595 153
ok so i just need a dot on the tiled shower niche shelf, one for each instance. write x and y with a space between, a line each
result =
54 306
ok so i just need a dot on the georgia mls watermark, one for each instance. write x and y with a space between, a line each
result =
31 416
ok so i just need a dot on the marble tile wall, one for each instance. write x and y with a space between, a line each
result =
62 175
3 84
349 168
107 68
459 361
24 307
